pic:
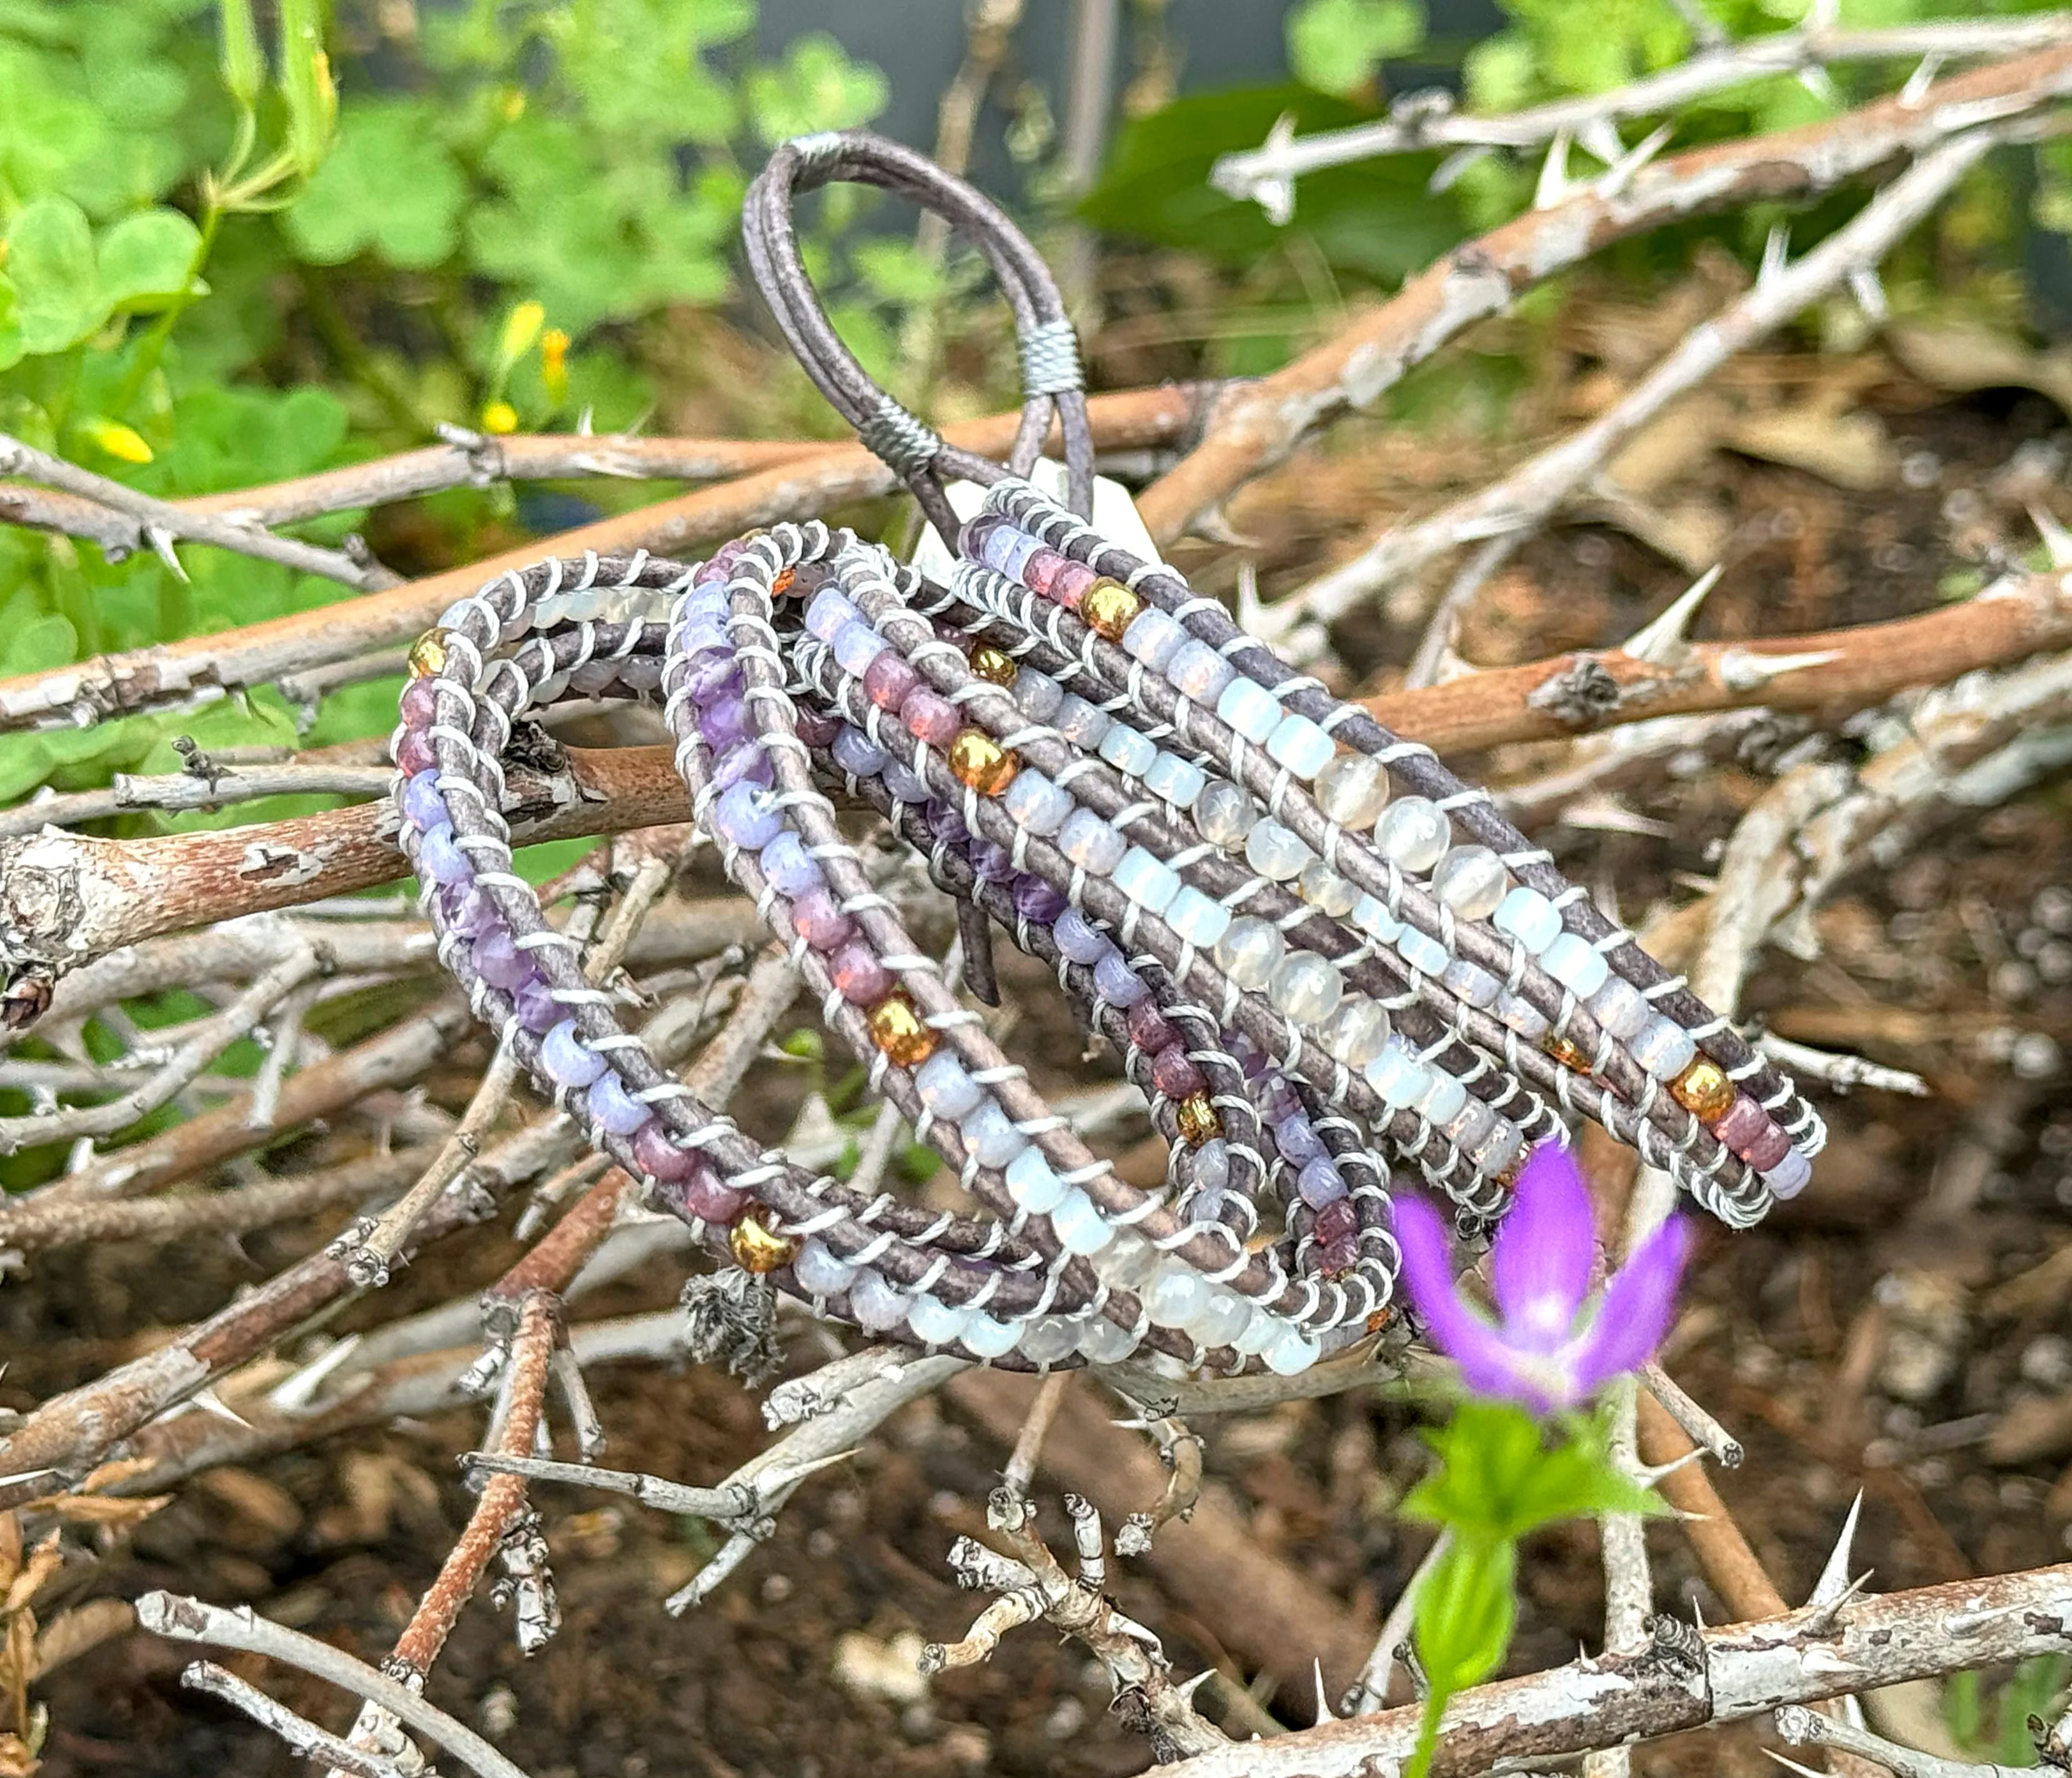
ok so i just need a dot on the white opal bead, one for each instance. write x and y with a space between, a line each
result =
1523 1017
1356 1031
990 1135
984 1337
878 1305
1323 887
1080 1227
1275 852
818 1271
1664 1048
1443 1097
1788 1178
1352 790
1127 751
1620 1008
1250 952
1471 880
1250 709
1224 813
1307 988
1412 833
1175 1295
1038 694
945 1089
1130 1262
1529 917
1080 721
1370 914
1396 1076
1497 1150
1259 1332
1049 1338
936 1323
1091 842
1471 1124
1423 952
1212 1164
1149 882
1102 1342
1223 1321
1473 983
1032 801
1032 1183
1199 672
1299 744
1179 781
1577 964
1199 919
1153 637
1289 1353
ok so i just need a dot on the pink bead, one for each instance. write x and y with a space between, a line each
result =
817 919
414 753
1339 1256
858 977
1069 585
655 1155
1743 1125
1173 1073
888 681
1039 573
706 1196
930 717
1149 1030
1335 1221
1768 1150
421 702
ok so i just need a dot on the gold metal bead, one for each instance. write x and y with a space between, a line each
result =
1109 608
428 654
977 759
758 1249
1196 1120
896 1028
995 664
1704 1090
1567 1054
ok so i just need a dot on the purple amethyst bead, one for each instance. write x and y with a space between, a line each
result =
536 1006
1035 900
746 761
715 675
563 1054
946 821
905 783
422 805
612 1108
743 815
440 858
499 962
725 722
993 863
1297 1140
464 910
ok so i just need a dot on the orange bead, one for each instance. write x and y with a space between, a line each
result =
977 759
1567 1054
1109 608
896 1028
1704 1090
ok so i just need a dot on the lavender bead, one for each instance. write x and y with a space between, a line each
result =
1320 1182
744 816
993 863
1116 983
564 1056
829 611
946 821
440 858
905 783
748 762
1077 938
856 645
857 753
791 870
612 1108
422 805
1297 1140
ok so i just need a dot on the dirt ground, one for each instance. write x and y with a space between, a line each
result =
1887 1332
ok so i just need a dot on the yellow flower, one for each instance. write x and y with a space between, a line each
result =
521 327
554 365
499 416
119 441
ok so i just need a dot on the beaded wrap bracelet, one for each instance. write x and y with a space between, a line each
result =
1320 957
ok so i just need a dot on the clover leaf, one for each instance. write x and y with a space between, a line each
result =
390 187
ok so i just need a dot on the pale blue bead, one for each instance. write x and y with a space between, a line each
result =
1664 1048
1147 881
1620 1008
1091 842
1079 720
1032 1183
829 611
1179 781
1199 672
1153 637
1127 751
1788 1178
856 645
1290 1352
565 1058
819 1272
984 1337
1472 983
1015 556
1523 1017
791 870
1038 694
1529 917
1423 952
439 856
1078 939
1396 1076
1250 708
1033 801
936 1323
1080 1227
612 1108
1198 919
990 1135
1497 1150
945 1089
1299 744
1574 962
1443 1098
1370 914
878 1305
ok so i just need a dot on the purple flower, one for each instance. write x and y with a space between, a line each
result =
1546 1352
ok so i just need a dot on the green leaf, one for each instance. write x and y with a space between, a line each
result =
147 260
817 87
1498 1478
1335 45
306 84
10 323
244 67
390 186
50 257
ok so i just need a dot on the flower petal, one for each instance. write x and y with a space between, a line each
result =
1545 1248
1488 1366
1634 1316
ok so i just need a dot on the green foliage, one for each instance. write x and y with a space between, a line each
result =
1335 45
1994 1726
